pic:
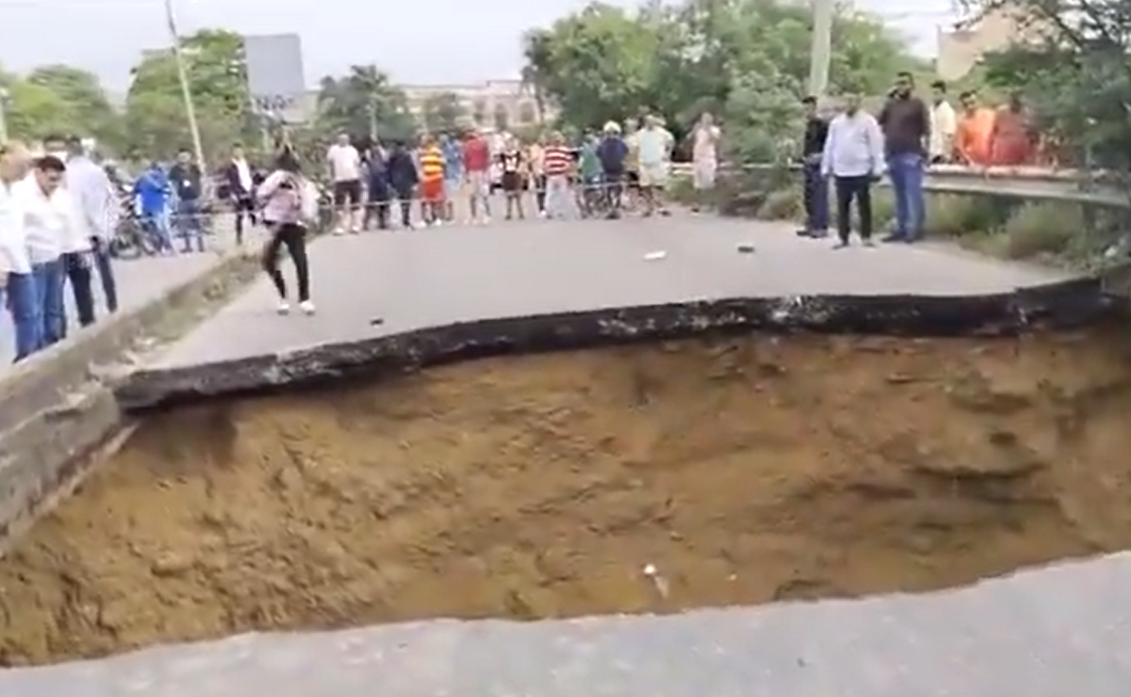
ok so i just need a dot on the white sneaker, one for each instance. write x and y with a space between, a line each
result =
486 220
339 231
307 307
284 308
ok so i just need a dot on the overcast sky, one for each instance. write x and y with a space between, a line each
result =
106 36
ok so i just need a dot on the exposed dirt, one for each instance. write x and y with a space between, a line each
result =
542 486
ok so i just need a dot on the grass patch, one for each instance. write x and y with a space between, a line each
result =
1051 232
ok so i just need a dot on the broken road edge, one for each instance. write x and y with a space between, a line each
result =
1058 306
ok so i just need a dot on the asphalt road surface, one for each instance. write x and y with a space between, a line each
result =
427 277
1055 632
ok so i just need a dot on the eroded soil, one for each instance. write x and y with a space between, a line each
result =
530 487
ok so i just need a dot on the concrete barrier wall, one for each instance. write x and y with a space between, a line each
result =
57 410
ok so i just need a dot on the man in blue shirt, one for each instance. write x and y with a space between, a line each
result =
151 198
613 154
453 172
185 178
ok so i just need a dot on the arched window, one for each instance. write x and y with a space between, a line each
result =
502 117
527 114
479 112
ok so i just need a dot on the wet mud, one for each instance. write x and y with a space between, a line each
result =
746 472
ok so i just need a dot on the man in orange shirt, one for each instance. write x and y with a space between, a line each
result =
975 128
1014 138
432 181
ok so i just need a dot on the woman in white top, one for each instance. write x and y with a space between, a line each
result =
53 230
290 203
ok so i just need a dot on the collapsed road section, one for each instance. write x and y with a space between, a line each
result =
654 477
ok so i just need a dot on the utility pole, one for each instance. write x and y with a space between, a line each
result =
821 54
186 92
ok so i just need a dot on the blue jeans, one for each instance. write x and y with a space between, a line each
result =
188 223
816 199
906 172
49 279
27 314
156 226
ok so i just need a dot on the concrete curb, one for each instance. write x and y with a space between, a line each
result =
57 411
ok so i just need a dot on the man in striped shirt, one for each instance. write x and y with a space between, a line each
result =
557 163
432 181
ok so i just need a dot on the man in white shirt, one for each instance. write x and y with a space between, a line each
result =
15 267
705 153
97 202
854 158
56 240
241 189
344 162
944 125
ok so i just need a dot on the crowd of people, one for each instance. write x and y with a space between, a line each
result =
58 216
854 148
168 203
606 172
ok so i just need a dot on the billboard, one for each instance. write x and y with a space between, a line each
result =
275 77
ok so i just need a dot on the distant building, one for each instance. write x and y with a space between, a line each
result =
962 47
507 103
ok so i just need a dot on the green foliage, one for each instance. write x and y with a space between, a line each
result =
444 112
34 111
1078 79
364 102
82 101
1042 228
744 60
156 119
783 204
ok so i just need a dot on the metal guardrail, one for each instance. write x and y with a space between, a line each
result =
1099 188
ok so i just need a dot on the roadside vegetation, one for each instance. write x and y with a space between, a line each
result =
1054 233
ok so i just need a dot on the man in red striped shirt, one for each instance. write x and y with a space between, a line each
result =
477 169
558 167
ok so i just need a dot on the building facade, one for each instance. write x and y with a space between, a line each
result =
492 105
962 47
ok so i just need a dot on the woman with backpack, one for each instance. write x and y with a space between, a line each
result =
290 203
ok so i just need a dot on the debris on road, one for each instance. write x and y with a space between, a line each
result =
655 256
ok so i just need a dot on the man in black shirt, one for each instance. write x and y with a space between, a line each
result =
816 187
906 122
185 180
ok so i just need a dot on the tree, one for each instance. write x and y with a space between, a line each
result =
1074 73
156 119
362 101
59 99
535 49
34 111
82 94
444 112
744 60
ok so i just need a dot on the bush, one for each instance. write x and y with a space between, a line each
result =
1043 228
783 204
951 215
681 190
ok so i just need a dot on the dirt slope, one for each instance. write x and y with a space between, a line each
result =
542 486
